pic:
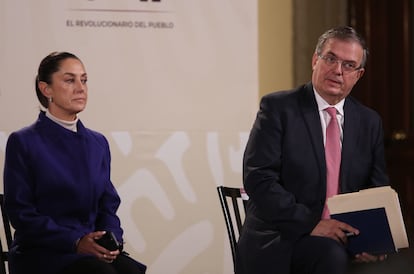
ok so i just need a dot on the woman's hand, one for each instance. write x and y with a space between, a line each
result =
87 245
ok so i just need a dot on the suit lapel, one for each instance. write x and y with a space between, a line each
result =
310 113
351 126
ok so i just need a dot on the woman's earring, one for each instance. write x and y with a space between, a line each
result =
50 99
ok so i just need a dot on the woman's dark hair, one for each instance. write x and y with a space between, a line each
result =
49 65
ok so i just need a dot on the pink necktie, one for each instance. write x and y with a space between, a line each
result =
333 158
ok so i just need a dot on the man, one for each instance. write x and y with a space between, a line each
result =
287 230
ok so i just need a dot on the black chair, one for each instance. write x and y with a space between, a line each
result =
236 196
8 234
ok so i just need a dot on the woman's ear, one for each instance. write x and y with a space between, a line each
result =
44 88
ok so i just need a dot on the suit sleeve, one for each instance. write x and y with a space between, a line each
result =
262 165
379 175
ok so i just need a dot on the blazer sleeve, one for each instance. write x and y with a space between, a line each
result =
262 165
109 201
37 229
378 175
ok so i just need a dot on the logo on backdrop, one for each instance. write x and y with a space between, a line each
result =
144 14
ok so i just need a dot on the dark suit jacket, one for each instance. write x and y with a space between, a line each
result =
285 173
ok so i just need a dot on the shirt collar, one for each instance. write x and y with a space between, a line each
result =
322 104
70 125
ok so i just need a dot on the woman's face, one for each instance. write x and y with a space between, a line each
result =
68 90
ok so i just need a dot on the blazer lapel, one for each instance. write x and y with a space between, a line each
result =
310 113
351 126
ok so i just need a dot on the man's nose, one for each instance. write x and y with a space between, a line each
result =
338 67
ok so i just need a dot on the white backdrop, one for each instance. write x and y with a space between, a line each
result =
173 85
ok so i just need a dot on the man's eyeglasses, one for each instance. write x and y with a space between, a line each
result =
347 66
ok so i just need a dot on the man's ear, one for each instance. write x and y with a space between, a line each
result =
361 72
44 88
314 60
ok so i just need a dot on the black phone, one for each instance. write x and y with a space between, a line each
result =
109 241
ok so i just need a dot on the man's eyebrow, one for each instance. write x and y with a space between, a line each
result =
334 55
331 53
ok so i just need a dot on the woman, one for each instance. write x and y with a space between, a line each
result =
58 192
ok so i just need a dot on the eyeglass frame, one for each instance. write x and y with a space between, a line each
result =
330 60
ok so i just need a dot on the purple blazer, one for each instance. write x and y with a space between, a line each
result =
57 188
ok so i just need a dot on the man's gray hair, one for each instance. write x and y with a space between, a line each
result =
344 33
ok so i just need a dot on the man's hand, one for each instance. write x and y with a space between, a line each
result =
334 229
338 231
87 245
368 258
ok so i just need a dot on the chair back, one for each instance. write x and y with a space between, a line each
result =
7 234
233 214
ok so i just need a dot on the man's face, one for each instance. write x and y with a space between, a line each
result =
336 70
